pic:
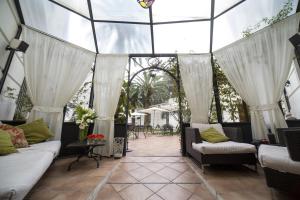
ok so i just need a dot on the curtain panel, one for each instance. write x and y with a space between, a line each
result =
108 79
257 67
54 72
196 75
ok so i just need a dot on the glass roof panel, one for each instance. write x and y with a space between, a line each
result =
59 22
119 10
229 27
79 6
222 5
123 38
190 37
173 10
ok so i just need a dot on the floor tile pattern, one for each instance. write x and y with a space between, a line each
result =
154 178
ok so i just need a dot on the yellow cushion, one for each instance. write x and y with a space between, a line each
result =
213 136
36 131
6 145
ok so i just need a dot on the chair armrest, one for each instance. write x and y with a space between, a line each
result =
193 135
234 133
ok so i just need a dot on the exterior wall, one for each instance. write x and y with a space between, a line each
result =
8 28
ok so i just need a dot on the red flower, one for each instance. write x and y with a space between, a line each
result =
95 136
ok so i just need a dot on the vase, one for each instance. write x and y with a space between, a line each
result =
82 134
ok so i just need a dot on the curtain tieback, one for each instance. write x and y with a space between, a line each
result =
48 109
265 107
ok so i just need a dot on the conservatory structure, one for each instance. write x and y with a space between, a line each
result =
74 72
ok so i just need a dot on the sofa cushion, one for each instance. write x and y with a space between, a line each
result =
229 147
36 131
213 136
6 145
203 127
277 158
17 135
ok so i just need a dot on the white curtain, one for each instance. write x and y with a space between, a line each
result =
257 67
54 71
196 75
108 79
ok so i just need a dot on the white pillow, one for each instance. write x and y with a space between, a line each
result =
203 127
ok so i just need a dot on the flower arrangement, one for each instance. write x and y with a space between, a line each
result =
94 138
84 116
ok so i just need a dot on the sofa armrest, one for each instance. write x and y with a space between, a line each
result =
234 133
193 135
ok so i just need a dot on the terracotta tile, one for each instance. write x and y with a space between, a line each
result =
129 166
140 173
108 193
188 177
168 173
66 195
154 178
154 187
181 167
119 187
173 192
136 192
154 197
153 166
122 177
44 194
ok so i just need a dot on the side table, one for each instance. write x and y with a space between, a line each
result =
88 151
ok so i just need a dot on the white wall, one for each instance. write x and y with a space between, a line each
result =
8 28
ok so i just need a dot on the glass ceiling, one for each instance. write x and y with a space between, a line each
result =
170 26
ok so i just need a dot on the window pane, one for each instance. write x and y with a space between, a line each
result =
190 37
119 10
222 5
79 6
229 27
173 10
59 22
123 38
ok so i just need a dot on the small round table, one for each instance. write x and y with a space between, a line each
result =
88 151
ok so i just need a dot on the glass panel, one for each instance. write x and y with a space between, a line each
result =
173 10
123 38
59 22
119 10
79 6
221 5
229 27
182 38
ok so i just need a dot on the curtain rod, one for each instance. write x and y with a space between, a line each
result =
56 38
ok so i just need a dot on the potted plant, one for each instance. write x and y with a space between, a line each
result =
84 116
95 138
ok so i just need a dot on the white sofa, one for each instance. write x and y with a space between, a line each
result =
19 172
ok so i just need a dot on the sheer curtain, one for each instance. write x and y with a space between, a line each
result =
196 74
108 79
54 71
257 67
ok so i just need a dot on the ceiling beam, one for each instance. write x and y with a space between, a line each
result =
228 9
93 25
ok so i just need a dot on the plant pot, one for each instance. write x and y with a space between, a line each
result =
82 134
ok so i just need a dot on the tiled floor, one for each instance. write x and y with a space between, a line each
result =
154 178
155 145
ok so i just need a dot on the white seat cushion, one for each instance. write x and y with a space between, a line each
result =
49 146
203 127
229 147
19 172
277 158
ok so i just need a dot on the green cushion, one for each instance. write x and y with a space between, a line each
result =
6 145
36 131
213 136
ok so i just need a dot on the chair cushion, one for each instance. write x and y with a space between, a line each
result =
17 135
229 147
277 158
203 127
36 131
6 145
213 136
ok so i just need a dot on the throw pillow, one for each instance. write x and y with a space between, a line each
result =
203 127
17 135
36 131
213 136
6 146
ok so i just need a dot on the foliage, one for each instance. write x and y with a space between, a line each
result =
84 116
282 14
9 93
